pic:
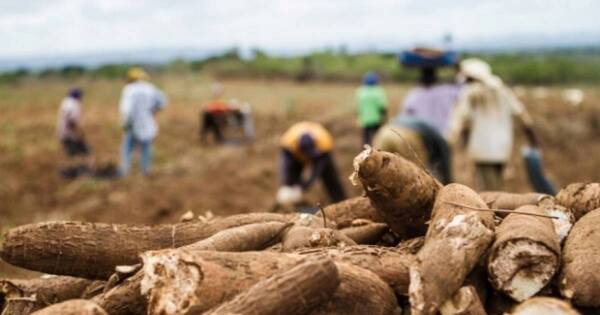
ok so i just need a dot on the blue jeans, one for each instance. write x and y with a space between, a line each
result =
129 143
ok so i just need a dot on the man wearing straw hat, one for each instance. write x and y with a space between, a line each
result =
487 106
140 101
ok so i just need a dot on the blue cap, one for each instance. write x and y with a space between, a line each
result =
370 78
307 145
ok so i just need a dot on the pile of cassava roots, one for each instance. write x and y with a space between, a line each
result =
408 246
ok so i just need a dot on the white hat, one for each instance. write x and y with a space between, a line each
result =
479 70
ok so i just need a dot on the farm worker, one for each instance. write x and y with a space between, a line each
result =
140 101
308 144
218 113
69 125
487 106
431 101
213 114
416 140
71 135
371 103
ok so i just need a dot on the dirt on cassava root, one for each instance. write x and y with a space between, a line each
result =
402 192
88 250
581 198
292 290
126 298
23 296
579 279
525 255
72 307
456 240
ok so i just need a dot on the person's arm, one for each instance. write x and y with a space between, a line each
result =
384 106
125 107
518 109
357 104
286 159
408 106
460 116
72 118
317 169
160 100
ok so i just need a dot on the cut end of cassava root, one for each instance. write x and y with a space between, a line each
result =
522 268
525 255
161 267
357 163
564 220
544 306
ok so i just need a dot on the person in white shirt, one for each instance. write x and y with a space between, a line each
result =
68 126
488 106
70 135
140 101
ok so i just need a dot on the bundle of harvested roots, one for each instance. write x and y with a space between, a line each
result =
410 245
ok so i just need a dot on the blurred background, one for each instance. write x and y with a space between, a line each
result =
291 61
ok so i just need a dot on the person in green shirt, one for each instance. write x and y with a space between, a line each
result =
371 103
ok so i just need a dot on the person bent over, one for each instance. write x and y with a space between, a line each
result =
309 145
218 114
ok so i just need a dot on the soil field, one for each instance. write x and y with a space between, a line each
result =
188 175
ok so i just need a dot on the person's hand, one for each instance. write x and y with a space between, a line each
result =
303 185
531 137
288 195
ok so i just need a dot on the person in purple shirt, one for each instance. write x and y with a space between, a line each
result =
431 101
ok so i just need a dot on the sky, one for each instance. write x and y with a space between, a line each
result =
59 27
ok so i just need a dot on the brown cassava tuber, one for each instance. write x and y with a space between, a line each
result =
581 198
89 250
343 213
126 298
402 192
291 290
26 296
510 201
455 241
365 232
72 307
579 279
302 237
525 255
360 292
544 305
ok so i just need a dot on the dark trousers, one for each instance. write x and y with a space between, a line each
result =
75 147
440 155
211 123
489 175
291 174
368 133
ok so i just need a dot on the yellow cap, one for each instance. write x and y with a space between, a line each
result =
136 73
